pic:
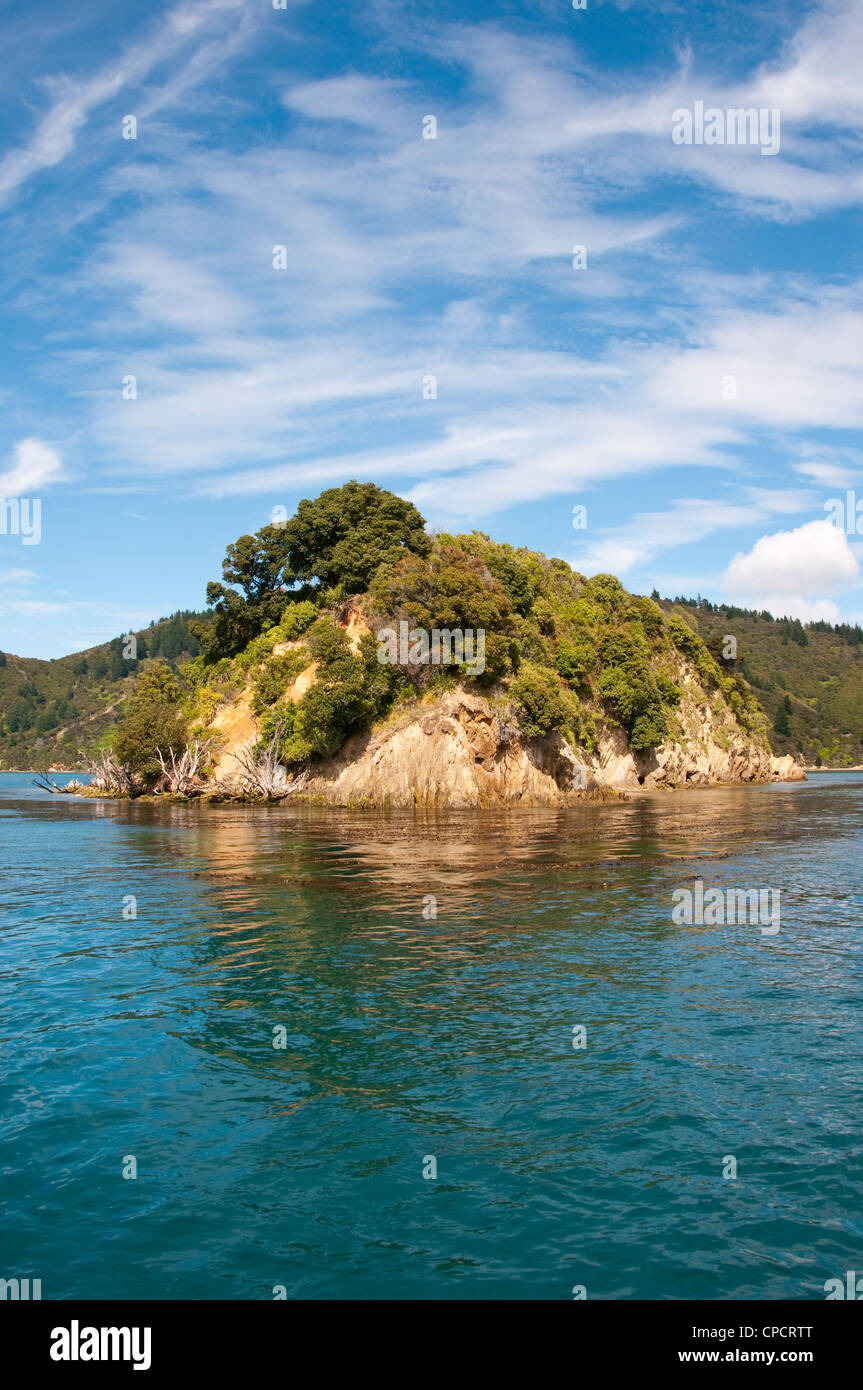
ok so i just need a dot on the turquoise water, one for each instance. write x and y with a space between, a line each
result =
410 1037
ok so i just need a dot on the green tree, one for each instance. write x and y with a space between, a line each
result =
340 539
258 581
782 722
152 719
576 658
627 682
343 698
345 535
118 666
449 589
606 591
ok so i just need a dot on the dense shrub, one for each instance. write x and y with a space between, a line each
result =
153 719
501 657
606 592
348 693
450 589
296 620
669 691
627 683
540 703
576 658
274 679
647 613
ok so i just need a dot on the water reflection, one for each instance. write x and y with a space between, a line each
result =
450 1035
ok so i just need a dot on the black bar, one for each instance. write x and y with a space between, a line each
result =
241 1338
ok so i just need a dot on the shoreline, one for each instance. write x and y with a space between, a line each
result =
605 795
858 767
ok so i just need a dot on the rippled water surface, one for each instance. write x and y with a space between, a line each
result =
410 1037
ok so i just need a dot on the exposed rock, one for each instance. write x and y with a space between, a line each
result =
236 729
459 752
462 750
710 748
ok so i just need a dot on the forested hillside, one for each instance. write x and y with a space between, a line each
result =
808 679
51 709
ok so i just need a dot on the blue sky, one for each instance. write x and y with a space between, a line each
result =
696 386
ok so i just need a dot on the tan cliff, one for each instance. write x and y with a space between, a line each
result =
465 750
461 752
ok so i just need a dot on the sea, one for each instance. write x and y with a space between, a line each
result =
310 1053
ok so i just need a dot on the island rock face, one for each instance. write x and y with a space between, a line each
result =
463 750
458 752
462 753
532 734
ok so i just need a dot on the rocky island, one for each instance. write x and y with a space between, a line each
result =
350 657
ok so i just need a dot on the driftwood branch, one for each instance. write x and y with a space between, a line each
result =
262 772
109 774
47 784
182 775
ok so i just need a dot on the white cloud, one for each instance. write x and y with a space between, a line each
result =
810 562
35 465
269 380
610 557
830 467
687 521
33 608
363 101
817 79
17 576
281 375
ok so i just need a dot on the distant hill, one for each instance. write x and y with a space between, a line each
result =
51 709
808 679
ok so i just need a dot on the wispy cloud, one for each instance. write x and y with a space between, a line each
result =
75 100
700 379
35 465
270 379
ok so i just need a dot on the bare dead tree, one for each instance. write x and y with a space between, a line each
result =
262 772
182 775
109 774
47 784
